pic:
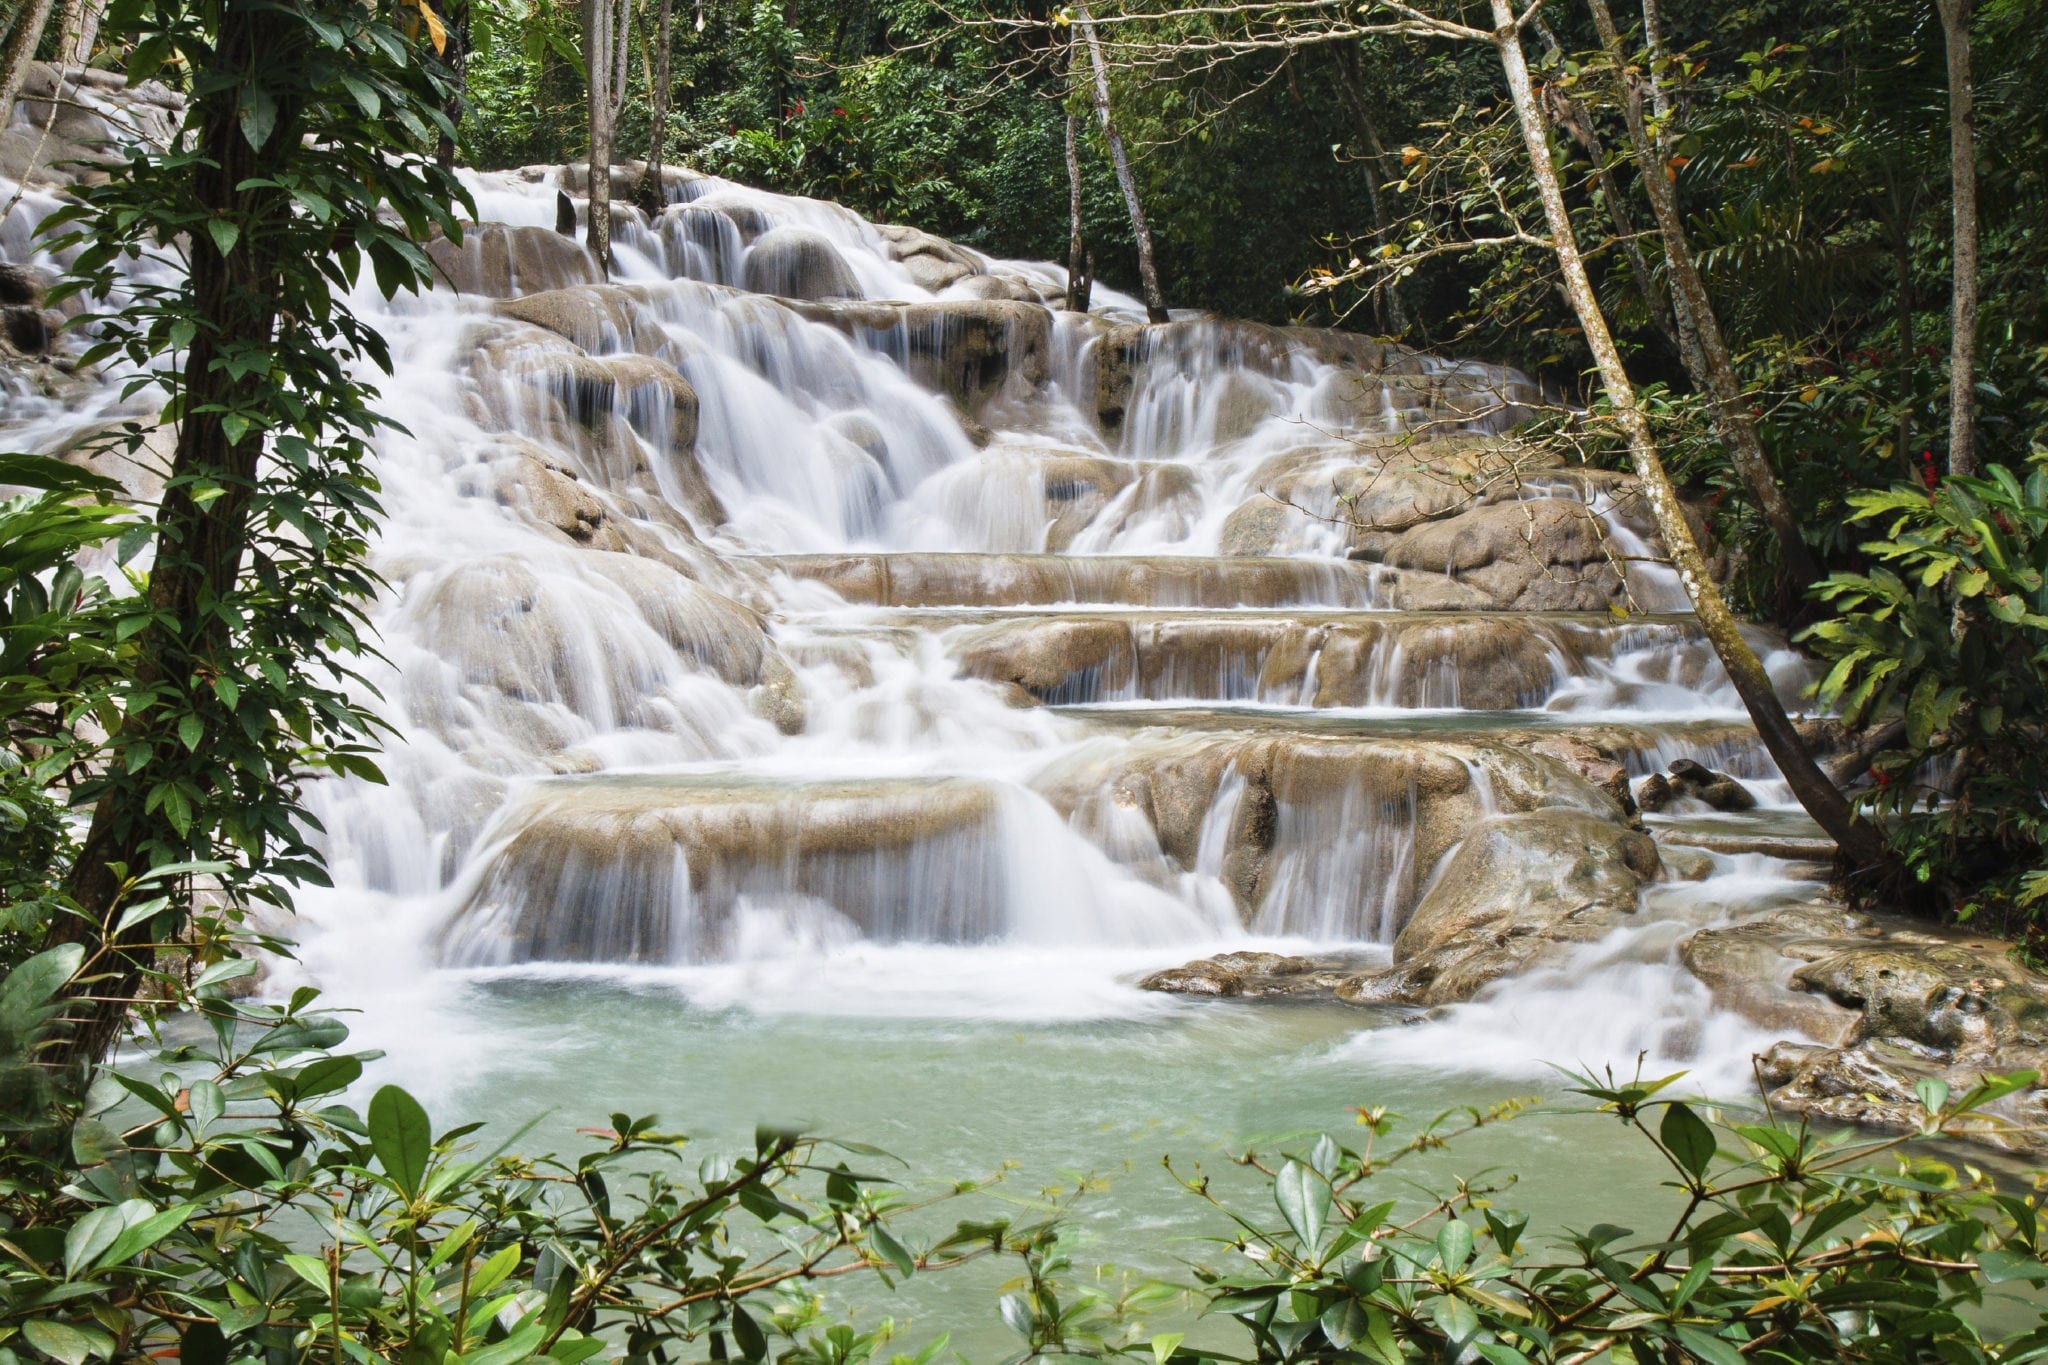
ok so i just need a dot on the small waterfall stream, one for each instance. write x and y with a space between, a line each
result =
816 622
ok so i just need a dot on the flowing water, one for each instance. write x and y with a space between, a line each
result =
772 740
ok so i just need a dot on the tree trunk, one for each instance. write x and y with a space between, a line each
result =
81 32
455 16
1732 417
1396 316
1962 156
1155 302
1079 283
199 545
604 55
656 192
1574 118
1862 846
20 51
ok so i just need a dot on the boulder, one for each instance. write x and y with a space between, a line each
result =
1518 889
501 261
1886 1004
970 350
798 263
668 868
1255 976
597 318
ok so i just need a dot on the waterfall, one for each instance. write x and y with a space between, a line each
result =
819 589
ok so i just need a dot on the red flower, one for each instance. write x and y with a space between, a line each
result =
838 113
1882 779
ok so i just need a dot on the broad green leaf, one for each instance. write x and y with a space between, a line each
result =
140 1237
1304 1201
891 1250
1164 1345
402 1138
72 1345
1454 1245
1690 1139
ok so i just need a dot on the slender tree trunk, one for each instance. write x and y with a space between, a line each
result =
20 51
1660 103
1148 274
1079 282
1861 845
199 545
1395 319
1962 156
455 14
1902 260
1732 417
656 194
604 54
1574 118
81 32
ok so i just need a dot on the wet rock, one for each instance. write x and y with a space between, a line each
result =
1888 1002
660 868
20 286
985 580
798 263
1653 793
1541 555
747 213
1588 761
599 319
502 262
1702 783
933 262
1517 889
972 350
1254 976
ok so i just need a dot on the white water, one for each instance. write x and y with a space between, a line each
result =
597 770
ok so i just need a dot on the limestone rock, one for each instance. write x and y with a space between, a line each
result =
1254 976
1517 889
798 263
501 261
972 350
1891 1002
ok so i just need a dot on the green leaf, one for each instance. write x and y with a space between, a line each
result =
891 1250
191 729
402 1138
2003 1266
1344 1323
140 1237
311 1269
1304 1200
748 1336
1454 1245
257 115
1690 1139
207 1102
66 1343
1164 1345
96 1231
224 234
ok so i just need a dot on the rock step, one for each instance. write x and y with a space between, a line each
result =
911 579
659 867
1478 662
1798 848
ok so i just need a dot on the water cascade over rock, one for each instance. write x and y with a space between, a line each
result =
817 586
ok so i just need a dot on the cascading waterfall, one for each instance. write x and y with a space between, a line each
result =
818 589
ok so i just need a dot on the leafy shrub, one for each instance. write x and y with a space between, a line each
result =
226 1204
1778 1245
1948 635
